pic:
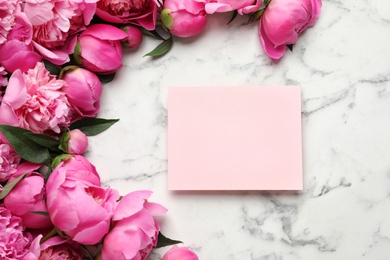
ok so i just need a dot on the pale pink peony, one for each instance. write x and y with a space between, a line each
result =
9 159
84 10
7 17
55 22
138 12
59 248
35 101
14 242
283 21
77 207
133 221
28 196
180 253
221 6
188 17
18 51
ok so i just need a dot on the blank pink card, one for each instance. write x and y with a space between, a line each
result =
234 138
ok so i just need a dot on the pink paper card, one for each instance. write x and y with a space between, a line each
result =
234 138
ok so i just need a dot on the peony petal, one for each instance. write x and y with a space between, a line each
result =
217 7
39 12
155 209
131 204
16 93
275 52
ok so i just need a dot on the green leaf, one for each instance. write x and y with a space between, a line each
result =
52 68
24 146
77 53
290 47
43 213
9 186
153 33
161 49
106 78
256 15
93 126
43 140
164 241
233 17
166 18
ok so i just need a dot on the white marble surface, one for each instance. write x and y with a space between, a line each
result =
343 67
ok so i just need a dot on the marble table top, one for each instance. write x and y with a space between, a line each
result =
343 67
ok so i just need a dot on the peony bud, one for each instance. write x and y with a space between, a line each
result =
74 142
83 91
180 253
134 38
99 49
184 20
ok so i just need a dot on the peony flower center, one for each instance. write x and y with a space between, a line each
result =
123 7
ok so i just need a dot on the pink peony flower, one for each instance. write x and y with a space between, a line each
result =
14 242
9 159
180 253
188 17
138 12
18 52
133 221
79 168
50 20
60 248
35 101
54 22
74 142
84 10
28 196
134 36
77 207
83 90
99 48
221 6
7 17
283 21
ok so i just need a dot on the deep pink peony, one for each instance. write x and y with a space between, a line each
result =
99 48
180 253
7 17
14 242
18 51
35 101
28 196
188 17
221 6
133 221
283 21
83 90
138 12
9 159
78 207
74 142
